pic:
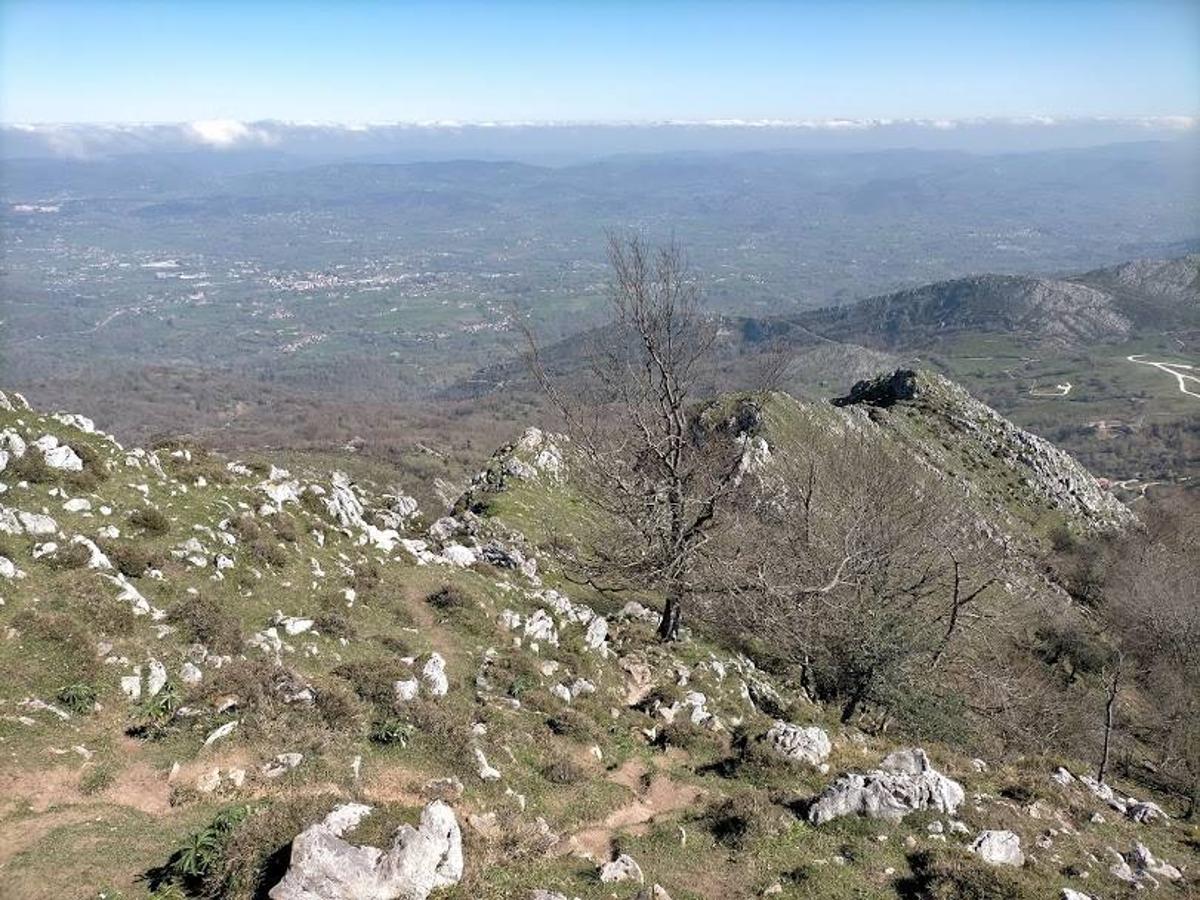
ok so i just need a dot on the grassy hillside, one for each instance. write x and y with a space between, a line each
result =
202 656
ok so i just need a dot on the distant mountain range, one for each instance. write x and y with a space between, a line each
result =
1109 304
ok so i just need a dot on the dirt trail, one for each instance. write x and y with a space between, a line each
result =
660 797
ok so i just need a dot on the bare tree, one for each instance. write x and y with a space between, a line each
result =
857 568
1111 691
1152 603
656 463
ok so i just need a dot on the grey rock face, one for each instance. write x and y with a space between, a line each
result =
889 795
326 867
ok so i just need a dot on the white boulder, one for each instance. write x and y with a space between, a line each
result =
889 795
799 743
1000 848
623 868
324 866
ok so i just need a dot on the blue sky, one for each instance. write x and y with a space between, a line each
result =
358 61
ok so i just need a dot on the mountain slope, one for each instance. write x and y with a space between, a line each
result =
203 657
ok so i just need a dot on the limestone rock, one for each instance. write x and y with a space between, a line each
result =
806 744
623 868
1000 848
434 675
324 866
888 795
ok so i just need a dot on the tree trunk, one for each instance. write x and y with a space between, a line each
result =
1108 724
668 628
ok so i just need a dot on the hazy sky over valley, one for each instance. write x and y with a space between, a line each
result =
102 61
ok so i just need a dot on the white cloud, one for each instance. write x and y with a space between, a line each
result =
228 133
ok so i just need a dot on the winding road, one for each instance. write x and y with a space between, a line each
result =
1182 377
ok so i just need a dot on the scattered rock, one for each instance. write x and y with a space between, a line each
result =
282 764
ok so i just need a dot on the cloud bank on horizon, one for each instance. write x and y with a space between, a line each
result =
530 139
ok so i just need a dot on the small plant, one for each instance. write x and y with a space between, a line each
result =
154 713
98 777
391 731
562 771
78 697
203 852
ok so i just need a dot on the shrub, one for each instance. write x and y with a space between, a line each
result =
255 854
131 558
340 710
32 468
561 770
267 551
367 578
573 724
68 648
285 528
448 598
201 860
245 527
206 622
68 556
665 694
948 873
255 682
150 520
373 679
685 735
743 819
335 623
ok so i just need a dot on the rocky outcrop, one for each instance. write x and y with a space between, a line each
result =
324 866
972 436
905 783
1140 867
